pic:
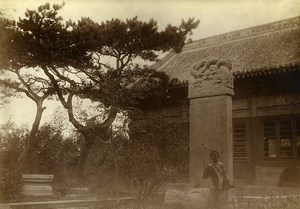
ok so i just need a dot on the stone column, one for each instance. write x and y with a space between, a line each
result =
210 94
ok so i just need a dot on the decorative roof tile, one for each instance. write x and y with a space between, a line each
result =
258 50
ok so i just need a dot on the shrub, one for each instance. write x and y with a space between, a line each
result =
53 152
12 141
156 153
10 183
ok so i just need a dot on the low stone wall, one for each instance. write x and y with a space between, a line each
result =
265 191
268 175
269 202
240 197
65 204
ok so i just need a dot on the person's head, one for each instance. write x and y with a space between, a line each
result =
214 156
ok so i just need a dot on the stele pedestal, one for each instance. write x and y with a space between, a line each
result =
36 185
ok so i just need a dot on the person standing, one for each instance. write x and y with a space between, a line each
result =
216 173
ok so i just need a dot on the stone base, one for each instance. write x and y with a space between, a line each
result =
36 185
190 199
37 190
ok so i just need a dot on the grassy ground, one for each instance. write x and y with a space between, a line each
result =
285 203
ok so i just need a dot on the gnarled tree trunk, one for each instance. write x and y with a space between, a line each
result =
25 159
90 137
83 156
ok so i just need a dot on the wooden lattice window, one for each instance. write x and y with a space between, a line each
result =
281 138
270 143
285 139
239 140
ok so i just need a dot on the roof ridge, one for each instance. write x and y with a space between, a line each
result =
163 61
238 39
244 33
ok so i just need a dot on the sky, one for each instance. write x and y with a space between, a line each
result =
216 16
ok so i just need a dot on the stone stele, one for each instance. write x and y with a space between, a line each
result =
210 94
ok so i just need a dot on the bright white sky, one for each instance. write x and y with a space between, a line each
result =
216 16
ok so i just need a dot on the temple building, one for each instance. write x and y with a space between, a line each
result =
262 134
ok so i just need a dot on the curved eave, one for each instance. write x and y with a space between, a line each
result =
245 74
267 70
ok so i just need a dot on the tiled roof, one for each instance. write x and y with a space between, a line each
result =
258 50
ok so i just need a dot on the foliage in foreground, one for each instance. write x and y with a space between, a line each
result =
11 145
157 203
53 153
155 153
276 203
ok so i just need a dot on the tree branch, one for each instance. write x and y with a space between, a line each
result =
72 119
110 119
126 62
18 89
66 104
56 87
58 74
28 87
